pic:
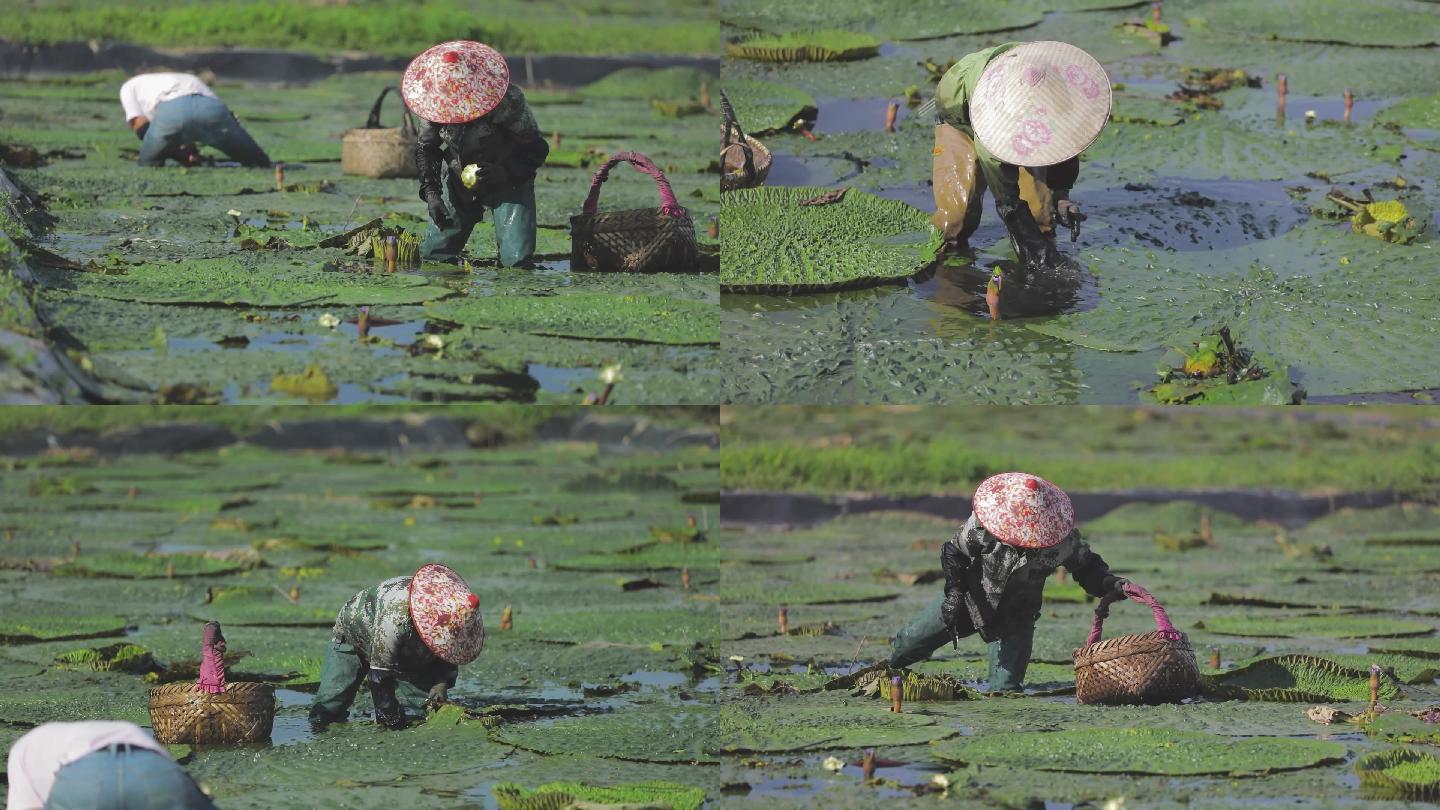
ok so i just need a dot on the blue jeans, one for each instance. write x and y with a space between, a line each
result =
514 226
200 120
125 778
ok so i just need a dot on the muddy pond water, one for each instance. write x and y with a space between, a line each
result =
1198 218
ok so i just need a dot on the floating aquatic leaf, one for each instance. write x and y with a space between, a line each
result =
762 106
560 795
1296 679
659 557
669 626
755 683
1419 113
775 243
1173 518
123 657
642 318
262 607
916 686
1389 221
646 83
312 384
159 566
19 629
1383 23
771 728
1141 751
804 593
642 733
1401 727
891 19
1335 626
1404 772
829 45
234 282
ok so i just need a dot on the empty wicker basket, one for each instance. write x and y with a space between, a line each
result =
638 240
243 713
1144 668
375 151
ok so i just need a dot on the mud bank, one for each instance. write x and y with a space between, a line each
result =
22 59
1286 508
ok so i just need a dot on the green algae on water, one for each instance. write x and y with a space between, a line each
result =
1142 751
776 243
560 795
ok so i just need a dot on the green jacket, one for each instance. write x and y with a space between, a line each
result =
952 106
376 622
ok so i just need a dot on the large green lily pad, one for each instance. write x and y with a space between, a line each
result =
1316 626
774 243
638 318
672 83
1142 751
804 593
762 106
644 734
561 794
659 557
893 19
772 728
16 628
672 626
1401 772
1389 23
155 566
1420 113
806 46
254 283
1297 678
259 607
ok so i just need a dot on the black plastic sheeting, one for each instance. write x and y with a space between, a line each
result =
1284 507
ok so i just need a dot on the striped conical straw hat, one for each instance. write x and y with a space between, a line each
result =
1023 510
446 614
1040 103
455 82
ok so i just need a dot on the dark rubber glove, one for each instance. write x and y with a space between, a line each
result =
388 711
438 214
437 697
954 565
491 175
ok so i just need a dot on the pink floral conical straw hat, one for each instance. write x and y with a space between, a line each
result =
455 82
1023 510
1040 103
446 614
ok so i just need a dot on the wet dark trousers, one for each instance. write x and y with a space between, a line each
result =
200 120
926 633
514 218
341 675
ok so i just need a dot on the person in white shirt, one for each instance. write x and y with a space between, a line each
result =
97 765
172 112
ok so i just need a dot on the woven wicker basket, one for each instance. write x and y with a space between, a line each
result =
744 161
638 240
1144 668
373 151
243 713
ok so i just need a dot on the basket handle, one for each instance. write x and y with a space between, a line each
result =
407 121
668 203
731 122
1138 594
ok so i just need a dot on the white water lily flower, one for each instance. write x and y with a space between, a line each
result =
1117 803
433 342
737 658
941 781
329 321
610 374
1310 115
835 764
233 213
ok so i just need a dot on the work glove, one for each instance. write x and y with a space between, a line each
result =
388 711
437 697
438 213
491 175
954 565
1067 215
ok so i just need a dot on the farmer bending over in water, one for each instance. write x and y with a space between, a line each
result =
171 112
479 148
409 634
1022 528
1014 118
